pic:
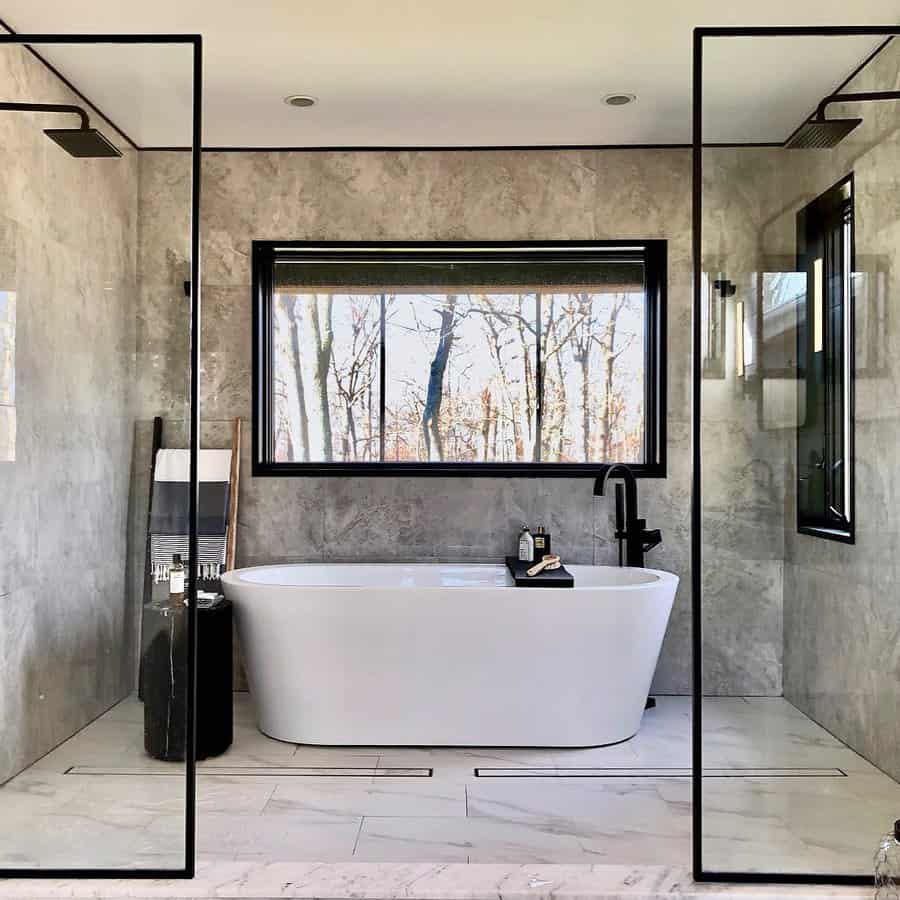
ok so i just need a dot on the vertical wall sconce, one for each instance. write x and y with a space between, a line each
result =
715 293
739 365
818 303
7 376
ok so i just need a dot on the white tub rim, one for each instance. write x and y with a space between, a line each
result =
235 576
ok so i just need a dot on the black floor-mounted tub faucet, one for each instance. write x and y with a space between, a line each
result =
630 530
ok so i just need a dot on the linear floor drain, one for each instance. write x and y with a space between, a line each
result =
589 772
258 771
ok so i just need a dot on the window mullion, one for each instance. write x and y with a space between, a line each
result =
382 381
538 381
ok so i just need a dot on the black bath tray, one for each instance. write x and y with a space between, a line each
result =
558 578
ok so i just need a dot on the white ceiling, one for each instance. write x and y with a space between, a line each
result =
451 72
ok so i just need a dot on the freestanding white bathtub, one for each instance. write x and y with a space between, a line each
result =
448 655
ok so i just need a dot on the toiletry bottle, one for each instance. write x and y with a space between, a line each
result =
526 545
176 581
887 864
541 543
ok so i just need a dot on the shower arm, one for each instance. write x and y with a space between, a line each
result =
853 98
49 107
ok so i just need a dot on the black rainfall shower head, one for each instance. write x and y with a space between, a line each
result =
821 134
82 142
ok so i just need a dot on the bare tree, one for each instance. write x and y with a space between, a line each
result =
582 344
487 422
293 425
316 316
501 324
431 432
554 402
576 336
355 375
591 338
479 398
495 335
526 332
612 407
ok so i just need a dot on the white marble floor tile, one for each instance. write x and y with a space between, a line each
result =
457 839
616 756
612 802
384 797
664 734
83 841
809 824
251 747
305 755
244 711
258 803
125 798
103 742
124 795
33 793
131 710
463 761
276 838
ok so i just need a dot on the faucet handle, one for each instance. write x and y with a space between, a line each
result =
651 538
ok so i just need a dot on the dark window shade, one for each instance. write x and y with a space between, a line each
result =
404 276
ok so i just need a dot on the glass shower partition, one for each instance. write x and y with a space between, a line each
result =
797 742
85 366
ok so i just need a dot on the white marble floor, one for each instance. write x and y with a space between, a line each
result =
780 794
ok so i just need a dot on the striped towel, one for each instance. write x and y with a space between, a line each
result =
169 524
210 550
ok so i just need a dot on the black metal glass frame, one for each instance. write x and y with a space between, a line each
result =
194 41
700 873
652 254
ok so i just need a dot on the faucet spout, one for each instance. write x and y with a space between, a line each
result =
620 470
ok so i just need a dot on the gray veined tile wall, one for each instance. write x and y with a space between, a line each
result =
68 239
436 196
743 480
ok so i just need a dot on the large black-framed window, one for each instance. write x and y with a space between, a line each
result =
825 253
497 358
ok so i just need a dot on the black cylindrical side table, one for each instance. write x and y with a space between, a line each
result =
165 679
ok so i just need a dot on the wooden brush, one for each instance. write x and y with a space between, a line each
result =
549 562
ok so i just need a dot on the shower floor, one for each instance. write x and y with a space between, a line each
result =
780 794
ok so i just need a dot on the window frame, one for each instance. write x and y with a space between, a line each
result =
266 253
830 525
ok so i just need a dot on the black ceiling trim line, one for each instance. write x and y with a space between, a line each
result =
472 149
869 59
734 145
72 87
798 31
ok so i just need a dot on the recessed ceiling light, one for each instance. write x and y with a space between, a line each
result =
300 100
619 99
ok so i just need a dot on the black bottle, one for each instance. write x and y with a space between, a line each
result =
541 543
